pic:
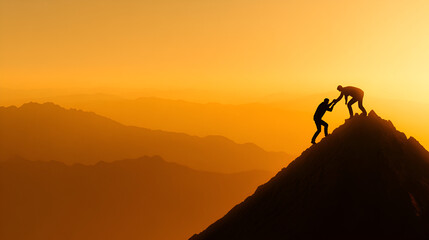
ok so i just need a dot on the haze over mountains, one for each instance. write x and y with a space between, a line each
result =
280 122
364 181
267 126
144 198
50 132
364 178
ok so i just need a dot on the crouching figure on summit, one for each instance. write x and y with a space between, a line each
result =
355 93
320 111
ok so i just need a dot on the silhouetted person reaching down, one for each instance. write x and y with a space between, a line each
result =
355 93
320 111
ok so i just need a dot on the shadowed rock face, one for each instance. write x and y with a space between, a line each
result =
364 181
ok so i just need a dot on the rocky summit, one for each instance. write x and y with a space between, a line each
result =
364 181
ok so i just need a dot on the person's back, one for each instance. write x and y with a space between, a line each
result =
352 91
320 111
355 93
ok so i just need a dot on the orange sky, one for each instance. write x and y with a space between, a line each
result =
278 57
242 46
222 51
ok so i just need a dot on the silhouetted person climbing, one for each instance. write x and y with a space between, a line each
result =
320 111
355 93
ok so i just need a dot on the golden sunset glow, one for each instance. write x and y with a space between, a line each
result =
140 119
225 50
248 47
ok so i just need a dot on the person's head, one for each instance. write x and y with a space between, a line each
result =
340 88
326 100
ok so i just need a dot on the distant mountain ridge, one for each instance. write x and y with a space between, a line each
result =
364 181
49 132
266 125
127 199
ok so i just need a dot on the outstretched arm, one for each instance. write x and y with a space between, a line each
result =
331 105
339 98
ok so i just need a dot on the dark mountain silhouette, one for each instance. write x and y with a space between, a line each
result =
50 132
364 181
145 198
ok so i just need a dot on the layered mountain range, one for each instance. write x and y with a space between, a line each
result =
143 198
49 132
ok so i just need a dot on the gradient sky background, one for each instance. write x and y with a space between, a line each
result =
241 46
284 56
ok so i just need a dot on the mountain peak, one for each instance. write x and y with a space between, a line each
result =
362 130
365 180
33 105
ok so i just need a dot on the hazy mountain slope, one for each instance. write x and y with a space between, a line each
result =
49 132
365 181
266 125
281 121
145 198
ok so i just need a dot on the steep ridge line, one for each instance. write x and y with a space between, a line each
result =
364 181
